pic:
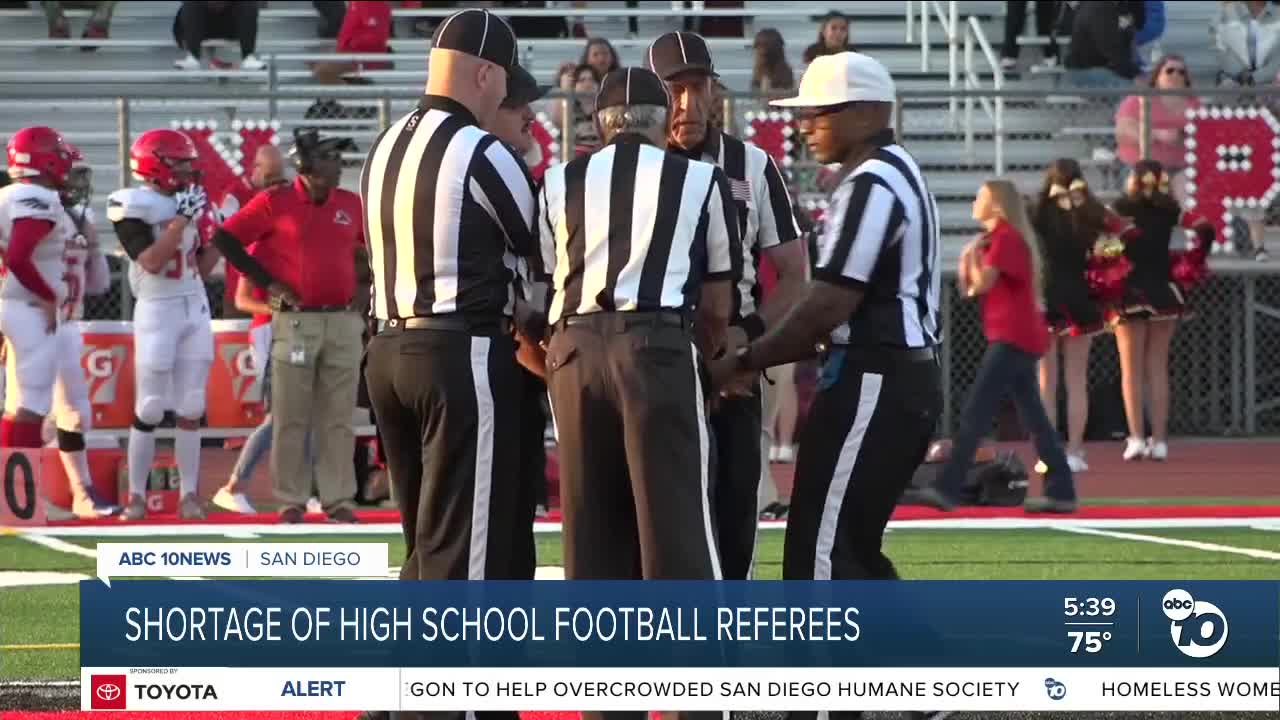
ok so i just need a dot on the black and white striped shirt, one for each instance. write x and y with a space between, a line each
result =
881 235
632 227
448 210
765 216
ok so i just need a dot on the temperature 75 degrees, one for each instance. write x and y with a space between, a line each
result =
1090 640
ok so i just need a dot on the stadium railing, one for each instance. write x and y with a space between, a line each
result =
1225 363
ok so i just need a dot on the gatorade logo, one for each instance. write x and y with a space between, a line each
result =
102 369
246 380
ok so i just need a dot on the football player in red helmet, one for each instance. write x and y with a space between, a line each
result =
157 224
34 232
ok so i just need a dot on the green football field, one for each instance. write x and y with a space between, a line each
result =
39 624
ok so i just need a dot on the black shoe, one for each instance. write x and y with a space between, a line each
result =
1049 505
775 511
343 515
291 515
934 498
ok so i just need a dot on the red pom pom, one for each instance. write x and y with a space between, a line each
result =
1106 277
1188 268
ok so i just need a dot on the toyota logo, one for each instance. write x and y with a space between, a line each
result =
108 692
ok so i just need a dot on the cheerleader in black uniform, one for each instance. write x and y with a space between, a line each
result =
1070 222
1153 302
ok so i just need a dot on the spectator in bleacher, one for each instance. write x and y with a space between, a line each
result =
583 82
332 14
1102 46
1153 303
833 37
527 26
1069 220
731 26
99 24
1015 21
600 55
1246 36
1146 40
1167 117
198 21
366 28
770 70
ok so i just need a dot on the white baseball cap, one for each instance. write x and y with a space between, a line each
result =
842 78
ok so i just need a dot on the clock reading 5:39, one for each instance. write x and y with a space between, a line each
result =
1088 607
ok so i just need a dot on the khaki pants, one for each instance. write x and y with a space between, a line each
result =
315 365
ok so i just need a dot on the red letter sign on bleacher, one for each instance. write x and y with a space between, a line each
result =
1233 163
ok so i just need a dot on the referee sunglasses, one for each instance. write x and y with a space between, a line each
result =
810 114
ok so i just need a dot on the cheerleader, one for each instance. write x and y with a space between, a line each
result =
1075 232
1153 301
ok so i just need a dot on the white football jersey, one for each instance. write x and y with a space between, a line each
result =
27 200
181 275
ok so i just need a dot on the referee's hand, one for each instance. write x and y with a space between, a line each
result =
725 377
530 355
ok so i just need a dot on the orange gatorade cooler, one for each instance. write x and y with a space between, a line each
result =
106 467
107 360
235 381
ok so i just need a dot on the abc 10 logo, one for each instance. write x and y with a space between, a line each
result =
1198 628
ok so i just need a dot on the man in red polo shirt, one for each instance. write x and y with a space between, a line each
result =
310 238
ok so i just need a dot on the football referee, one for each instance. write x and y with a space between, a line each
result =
633 238
767 224
873 304
449 211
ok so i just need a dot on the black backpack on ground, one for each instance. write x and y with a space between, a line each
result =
1001 482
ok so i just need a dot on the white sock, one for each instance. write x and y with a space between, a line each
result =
186 450
142 452
77 466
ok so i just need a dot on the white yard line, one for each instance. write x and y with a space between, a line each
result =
54 543
270 529
1194 544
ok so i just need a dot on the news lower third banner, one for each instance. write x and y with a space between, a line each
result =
918 645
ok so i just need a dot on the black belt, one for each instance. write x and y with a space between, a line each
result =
320 309
450 323
626 320
888 352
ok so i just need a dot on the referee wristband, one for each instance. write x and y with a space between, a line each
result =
752 325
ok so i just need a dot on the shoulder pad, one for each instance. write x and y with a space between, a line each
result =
27 200
137 204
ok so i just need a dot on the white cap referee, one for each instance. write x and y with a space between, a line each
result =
873 307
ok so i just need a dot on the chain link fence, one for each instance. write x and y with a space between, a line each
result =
1224 371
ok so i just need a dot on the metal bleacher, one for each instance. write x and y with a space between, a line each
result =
75 91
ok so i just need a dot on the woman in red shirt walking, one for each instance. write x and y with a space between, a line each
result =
1003 269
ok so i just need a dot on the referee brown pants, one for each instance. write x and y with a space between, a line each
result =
634 444
627 395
